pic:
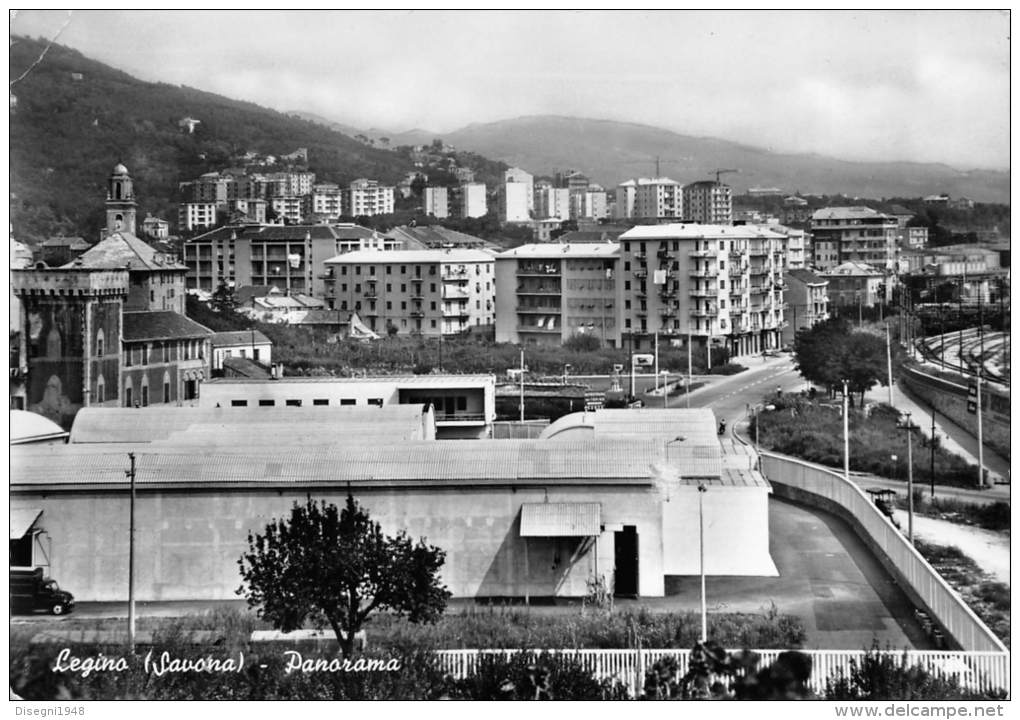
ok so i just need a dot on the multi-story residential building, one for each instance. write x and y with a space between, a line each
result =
287 207
291 257
513 202
433 237
291 183
165 357
470 200
856 284
368 197
551 202
547 292
437 202
914 238
210 188
194 216
718 284
853 234
796 246
250 209
590 204
708 202
807 295
573 180
516 175
156 228
427 292
325 201
650 199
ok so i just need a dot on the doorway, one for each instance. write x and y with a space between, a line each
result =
626 571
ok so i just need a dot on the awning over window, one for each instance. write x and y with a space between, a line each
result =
561 519
22 521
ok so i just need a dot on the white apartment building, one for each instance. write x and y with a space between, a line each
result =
513 202
287 207
708 202
252 208
591 204
368 197
650 198
427 292
516 175
326 199
552 202
191 216
437 202
473 203
797 256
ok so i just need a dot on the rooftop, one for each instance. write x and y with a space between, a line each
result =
451 255
429 380
435 236
238 337
268 232
854 268
558 250
696 231
124 250
648 181
856 212
806 276
29 427
161 325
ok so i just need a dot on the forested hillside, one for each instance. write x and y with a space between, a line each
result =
72 119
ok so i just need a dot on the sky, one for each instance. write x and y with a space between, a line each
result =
925 86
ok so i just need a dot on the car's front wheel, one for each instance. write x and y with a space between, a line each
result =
57 609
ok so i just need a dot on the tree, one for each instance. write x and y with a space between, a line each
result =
831 352
223 300
336 565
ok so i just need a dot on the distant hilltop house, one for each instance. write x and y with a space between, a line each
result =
77 77
299 155
188 122
764 191
155 227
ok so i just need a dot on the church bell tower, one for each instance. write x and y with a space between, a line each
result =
120 202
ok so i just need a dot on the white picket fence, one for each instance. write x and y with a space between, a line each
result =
986 672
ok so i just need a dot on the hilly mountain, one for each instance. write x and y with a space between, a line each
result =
610 152
72 119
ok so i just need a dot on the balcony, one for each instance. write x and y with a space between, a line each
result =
667 293
456 312
417 280
537 310
641 292
640 256
522 271
703 292
537 329
641 273
371 294
705 312
417 313
702 273
456 293
527 290
372 279
460 418
703 253
760 288
667 312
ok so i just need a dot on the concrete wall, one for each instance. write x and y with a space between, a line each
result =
188 544
950 399
736 523
807 483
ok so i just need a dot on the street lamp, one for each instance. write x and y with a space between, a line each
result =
131 555
701 565
909 427
566 369
846 432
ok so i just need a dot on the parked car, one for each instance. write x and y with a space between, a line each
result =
31 591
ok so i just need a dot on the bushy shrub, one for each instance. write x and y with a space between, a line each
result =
542 676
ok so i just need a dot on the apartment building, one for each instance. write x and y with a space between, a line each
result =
194 216
516 175
514 202
368 197
547 292
591 204
155 227
251 209
807 295
470 200
797 246
856 284
427 292
551 202
288 207
437 202
722 285
291 257
853 234
708 202
649 198
325 201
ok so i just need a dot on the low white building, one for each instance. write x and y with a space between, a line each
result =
248 344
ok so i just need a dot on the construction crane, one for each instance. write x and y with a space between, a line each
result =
720 171
658 162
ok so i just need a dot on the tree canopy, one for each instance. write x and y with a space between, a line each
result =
832 351
332 564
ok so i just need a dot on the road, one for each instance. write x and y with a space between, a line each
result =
729 395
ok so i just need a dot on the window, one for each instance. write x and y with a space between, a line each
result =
478 304
378 402
166 352
100 390
389 305
626 323
432 287
626 284
403 287
293 403
152 296
127 356
343 305
403 305
357 269
626 304
389 287
166 387
461 402
238 403
403 270
433 323
389 271
348 401
267 403
127 395
626 265
722 264
357 288
325 401
99 343
145 396
432 305
343 287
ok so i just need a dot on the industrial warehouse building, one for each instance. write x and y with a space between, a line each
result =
610 493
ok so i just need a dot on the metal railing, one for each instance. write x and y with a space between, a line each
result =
986 672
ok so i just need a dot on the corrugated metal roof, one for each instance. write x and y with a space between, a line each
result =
381 257
561 519
143 425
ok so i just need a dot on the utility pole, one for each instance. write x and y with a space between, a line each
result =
131 556
689 376
846 433
910 482
701 543
981 444
632 374
656 359
932 469
522 385
888 361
